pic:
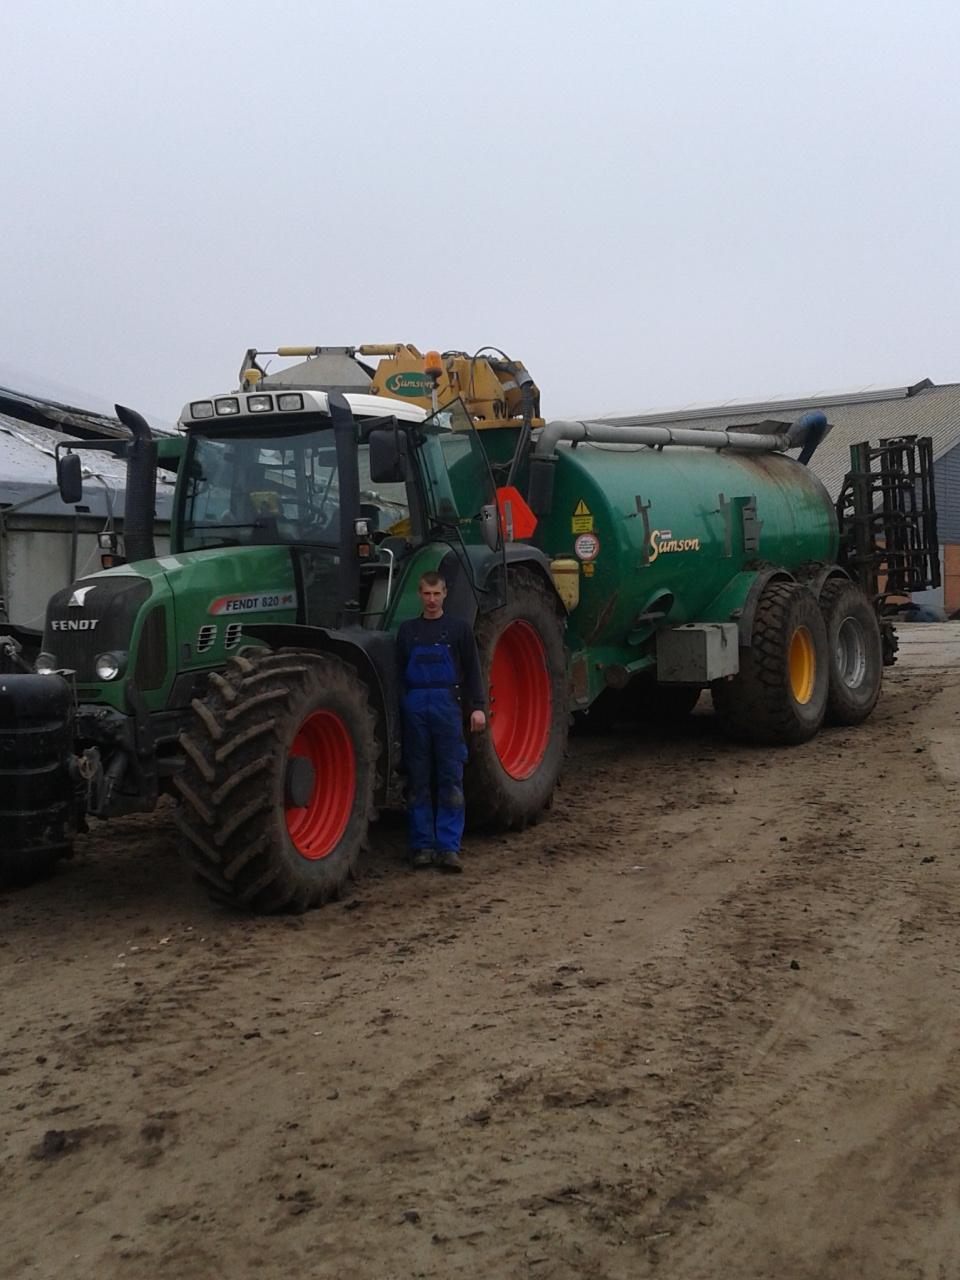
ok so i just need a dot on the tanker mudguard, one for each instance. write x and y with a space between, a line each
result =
371 653
816 581
738 599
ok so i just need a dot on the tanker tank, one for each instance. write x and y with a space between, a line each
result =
660 533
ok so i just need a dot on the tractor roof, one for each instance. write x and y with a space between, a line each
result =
232 406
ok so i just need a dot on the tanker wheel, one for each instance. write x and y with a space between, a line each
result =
515 763
277 790
855 652
779 695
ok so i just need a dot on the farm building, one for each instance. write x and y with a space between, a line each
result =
922 409
43 544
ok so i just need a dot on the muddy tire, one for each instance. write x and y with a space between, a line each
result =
854 652
779 695
277 791
39 800
514 764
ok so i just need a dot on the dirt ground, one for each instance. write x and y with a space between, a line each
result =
700 1022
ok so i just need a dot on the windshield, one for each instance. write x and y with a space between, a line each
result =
242 490
246 490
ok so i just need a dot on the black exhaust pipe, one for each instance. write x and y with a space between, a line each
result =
139 513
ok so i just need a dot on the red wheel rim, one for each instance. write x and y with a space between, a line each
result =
316 828
521 700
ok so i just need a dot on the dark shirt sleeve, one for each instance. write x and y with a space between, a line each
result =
476 695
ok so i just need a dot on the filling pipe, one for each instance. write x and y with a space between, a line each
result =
805 433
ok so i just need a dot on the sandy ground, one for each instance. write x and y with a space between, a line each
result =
701 1022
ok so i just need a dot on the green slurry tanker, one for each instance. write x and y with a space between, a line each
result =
610 572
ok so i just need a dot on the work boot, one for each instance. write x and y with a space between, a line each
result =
421 858
449 861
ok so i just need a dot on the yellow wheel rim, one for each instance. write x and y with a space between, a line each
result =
803 665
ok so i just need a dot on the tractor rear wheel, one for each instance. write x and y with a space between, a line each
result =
855 652
779 695
515 763
277 790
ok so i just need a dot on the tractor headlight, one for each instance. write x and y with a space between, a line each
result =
228 406
260 404
108 666
45 665
202 409
292 400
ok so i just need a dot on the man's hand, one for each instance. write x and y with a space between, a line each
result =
478 721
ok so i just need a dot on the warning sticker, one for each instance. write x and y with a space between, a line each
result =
254 603
588 570
587 547
581 521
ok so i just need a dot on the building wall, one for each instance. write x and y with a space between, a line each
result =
946 486
951 576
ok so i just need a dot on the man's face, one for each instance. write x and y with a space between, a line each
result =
432 598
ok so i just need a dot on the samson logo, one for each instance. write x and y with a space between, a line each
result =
409 384
662 542
74 624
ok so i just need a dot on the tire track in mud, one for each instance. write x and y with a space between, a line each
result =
587 1057
781 1070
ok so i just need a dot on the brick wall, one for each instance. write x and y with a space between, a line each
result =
951 577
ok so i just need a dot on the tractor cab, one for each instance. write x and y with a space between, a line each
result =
352 484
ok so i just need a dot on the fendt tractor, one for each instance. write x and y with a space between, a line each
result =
608 572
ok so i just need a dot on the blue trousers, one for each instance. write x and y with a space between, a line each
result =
434 753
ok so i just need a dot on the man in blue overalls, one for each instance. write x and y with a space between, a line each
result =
437 658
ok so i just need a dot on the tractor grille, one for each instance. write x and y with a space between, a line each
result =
99 621
152 651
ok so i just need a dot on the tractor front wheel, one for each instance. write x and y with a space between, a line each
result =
277 789
779 695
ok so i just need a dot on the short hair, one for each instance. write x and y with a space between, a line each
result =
432 579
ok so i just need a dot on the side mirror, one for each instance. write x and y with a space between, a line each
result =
388 457
490 525
70 478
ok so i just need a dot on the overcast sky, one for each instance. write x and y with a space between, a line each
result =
655 203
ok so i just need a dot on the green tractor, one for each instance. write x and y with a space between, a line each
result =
608 572
251 672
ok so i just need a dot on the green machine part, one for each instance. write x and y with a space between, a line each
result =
669 536
172 619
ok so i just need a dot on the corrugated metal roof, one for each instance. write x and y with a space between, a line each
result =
46 403
922 409
28 474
